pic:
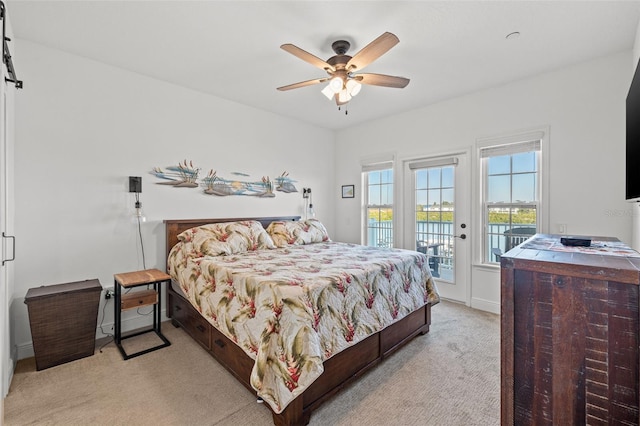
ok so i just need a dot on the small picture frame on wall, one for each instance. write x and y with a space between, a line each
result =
348 191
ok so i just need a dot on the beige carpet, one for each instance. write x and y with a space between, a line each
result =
451 376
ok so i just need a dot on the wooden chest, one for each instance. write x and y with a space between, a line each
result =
63 320
570 338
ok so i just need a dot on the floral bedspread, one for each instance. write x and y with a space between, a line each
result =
292 308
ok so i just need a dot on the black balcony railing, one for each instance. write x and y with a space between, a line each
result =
501 238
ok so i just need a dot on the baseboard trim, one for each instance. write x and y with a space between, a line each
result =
485 305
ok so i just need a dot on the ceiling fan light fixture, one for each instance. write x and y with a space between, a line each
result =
353 87
344 96
328 92
336 84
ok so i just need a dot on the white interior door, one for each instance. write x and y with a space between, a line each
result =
7 245
4 288
437 222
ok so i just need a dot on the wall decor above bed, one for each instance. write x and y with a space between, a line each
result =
182 176
215 185
185 175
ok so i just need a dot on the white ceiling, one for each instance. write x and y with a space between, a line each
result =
230 49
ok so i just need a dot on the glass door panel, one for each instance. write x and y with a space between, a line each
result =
434 219
437 205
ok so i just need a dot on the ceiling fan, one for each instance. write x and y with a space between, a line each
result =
344 83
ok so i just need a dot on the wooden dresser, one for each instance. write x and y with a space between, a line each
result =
569 325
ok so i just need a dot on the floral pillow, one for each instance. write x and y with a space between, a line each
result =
297 233
226 238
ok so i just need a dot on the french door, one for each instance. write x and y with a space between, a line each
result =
437 202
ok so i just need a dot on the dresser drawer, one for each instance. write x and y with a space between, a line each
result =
231 355
137 299
194 324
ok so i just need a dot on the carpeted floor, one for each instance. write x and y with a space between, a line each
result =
451 376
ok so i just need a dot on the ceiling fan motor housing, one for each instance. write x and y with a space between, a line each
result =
340 47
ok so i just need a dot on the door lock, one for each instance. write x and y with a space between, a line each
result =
462 236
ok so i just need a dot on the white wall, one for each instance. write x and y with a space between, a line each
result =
583 107
83 127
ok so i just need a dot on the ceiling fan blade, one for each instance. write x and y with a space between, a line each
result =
306 56
303 84
382 80
372 51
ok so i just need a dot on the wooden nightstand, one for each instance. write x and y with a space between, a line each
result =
136 299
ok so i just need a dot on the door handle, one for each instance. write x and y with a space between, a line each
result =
13 248
461 236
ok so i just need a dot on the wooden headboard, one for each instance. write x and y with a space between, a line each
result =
174 227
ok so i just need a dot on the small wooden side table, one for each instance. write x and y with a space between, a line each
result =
136 299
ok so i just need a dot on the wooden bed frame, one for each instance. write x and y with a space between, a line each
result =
339 370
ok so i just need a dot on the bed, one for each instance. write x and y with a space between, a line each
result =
316 334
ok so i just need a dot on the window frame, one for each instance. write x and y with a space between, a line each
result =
367 205
511 206
367 168
503 145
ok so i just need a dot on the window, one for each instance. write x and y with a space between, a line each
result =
378 182
434 195
511 196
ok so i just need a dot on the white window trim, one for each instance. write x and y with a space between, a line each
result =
541 134
382 161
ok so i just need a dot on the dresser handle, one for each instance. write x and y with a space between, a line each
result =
219 343
13 249
201 328
177 308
